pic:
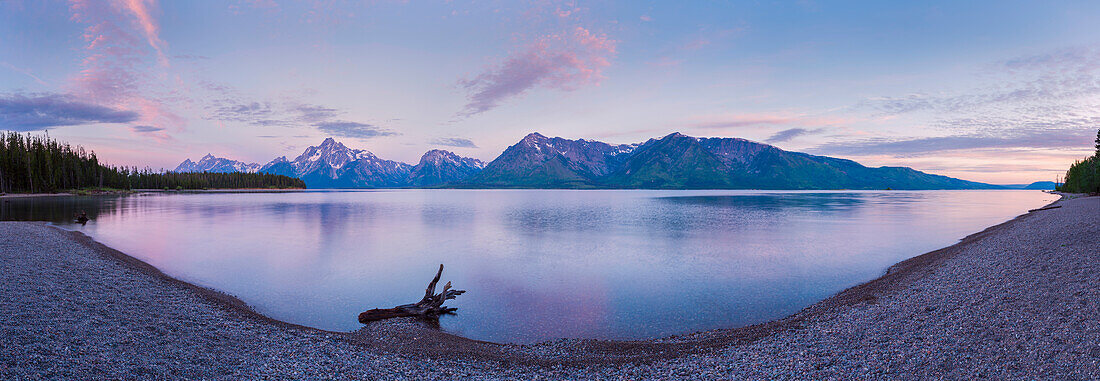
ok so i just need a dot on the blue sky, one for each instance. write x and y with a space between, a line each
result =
996 91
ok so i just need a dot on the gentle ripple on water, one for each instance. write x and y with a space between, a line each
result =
537 264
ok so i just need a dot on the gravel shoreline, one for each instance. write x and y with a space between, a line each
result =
1017 300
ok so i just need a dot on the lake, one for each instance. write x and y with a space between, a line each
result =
536 264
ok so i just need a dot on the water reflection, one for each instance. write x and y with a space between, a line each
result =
537 264
55 209
827 202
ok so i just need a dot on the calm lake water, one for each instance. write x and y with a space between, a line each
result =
537 264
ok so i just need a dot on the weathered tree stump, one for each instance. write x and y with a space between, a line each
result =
430 307
81 218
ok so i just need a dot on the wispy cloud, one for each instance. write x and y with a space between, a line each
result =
563 61
234 107
40 111
703 39
353 129
254 113
25 72
268 113
1065 75
735 120
122 40
314 113
742 120
145 129
791 133
454 142
115 51
141 10
1051 139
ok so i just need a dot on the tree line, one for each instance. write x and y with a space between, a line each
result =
1084 175
40 164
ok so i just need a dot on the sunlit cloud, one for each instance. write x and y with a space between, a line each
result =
562 61
141 9
115 71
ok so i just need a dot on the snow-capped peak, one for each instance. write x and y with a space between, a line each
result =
211 163
439 157
330 152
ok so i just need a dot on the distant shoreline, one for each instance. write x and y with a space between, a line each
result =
919 303
29 195
301 190
67 193
138 191
230 190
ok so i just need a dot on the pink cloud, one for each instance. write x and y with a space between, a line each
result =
719 121
140 9
563 61
743 120
122 39
112 53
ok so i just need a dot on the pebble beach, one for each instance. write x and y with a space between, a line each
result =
1019 300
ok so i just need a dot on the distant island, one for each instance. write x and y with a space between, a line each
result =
675 161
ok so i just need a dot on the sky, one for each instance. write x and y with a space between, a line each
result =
993 91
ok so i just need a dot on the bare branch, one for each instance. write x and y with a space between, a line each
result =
430 307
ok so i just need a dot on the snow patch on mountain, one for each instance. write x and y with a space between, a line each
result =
210 163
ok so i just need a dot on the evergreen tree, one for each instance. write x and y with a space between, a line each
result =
1098 143
39 164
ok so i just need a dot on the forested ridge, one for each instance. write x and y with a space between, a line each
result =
40 164
1084 175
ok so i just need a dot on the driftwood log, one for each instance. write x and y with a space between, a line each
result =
430 307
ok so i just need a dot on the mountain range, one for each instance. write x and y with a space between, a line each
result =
333 165
675 161
209 163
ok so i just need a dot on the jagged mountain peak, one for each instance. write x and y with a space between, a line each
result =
436 153
439 156
679 161
539 161
534 137
674 161
333 165
439 167
211 163
331 153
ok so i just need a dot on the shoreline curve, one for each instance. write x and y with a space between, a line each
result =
408 339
